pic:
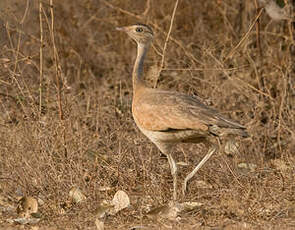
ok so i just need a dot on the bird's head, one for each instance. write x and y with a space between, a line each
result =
141 33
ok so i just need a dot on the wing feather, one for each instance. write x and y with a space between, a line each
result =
163 110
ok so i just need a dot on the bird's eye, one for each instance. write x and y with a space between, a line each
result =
139 29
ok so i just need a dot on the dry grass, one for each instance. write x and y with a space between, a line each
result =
66 119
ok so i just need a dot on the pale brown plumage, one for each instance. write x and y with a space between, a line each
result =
168 118
166 110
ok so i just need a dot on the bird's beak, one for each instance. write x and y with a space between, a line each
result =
122 29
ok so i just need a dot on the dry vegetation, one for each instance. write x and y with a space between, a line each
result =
65 101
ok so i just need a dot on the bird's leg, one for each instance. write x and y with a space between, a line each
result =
173 168
212 149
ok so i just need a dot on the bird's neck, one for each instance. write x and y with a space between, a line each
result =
137 75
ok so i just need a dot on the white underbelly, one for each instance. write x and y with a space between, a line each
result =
174 135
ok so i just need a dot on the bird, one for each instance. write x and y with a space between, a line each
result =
168 118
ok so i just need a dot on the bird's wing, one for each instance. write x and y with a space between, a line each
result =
165 110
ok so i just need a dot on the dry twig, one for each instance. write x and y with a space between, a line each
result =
166 42
41 58
245 36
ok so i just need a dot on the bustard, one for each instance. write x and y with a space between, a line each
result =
168 118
